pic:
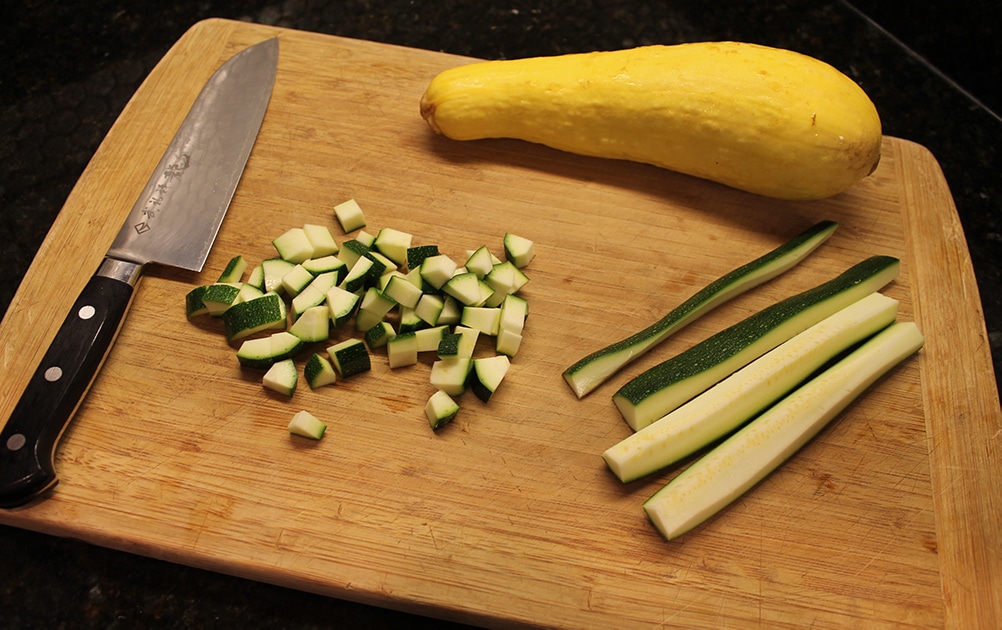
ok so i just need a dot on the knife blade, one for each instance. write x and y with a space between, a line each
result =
173 222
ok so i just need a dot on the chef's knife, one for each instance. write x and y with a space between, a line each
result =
174 222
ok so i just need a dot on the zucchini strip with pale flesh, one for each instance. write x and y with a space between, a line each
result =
729 470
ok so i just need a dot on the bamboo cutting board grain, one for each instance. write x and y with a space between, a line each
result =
508 516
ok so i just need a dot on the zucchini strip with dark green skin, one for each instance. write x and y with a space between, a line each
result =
666 386
594 369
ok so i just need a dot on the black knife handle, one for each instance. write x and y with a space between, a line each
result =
28 440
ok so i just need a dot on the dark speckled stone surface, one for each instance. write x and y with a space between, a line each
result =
70 67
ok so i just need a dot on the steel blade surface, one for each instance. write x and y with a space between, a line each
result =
176 218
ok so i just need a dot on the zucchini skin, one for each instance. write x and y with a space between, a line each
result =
765 120
591 371
667 385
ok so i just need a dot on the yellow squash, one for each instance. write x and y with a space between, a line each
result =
765 120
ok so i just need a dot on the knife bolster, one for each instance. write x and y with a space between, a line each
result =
121 270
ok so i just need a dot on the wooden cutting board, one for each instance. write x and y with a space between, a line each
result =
508 516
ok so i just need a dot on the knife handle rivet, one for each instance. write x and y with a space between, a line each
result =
86 312
53 374
16 442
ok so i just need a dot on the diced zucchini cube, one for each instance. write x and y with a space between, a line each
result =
429 308
452 311
349 214
319 372
313 325
308 298
321 240
414 276
282 377
341 305
246 318
468 289
274 270
365 239
256 353
234 271
350 357
440 409
375 305
263 352
429 338
487 374
248 292
448 347
506 278
468 341
508 342
514 310
409 320
193 304
294 246
518 250
393 244
256 277
358 274
314 294
327 264
402 291
483 318
378 335
219 297
305 424
296 280
402 350
351 251
381 265
417 254
480 262
451 375
437 270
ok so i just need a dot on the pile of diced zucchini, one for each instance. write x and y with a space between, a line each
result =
400 297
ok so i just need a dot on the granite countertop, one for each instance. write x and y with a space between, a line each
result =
71 67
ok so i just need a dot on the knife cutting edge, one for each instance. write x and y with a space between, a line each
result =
173 222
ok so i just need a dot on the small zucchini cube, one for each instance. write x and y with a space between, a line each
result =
321 240
282 377
305 424
437 270
319 372
246 318
350 357
451 375
440 409
487 374
294 246
379 335
417 254
393 244
234 271
402 350
519 250
313 325
349 214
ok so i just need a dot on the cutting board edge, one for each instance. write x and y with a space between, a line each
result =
969 540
